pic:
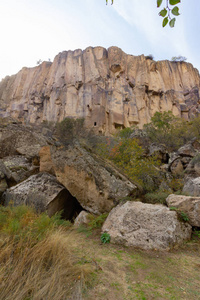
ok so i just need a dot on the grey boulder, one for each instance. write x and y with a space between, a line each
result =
188 205
44 193
146 226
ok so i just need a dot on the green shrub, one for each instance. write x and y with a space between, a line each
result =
23 222
182 216
156 197
169 130
130 157
197 233
96 222
69 129
176 184
105 238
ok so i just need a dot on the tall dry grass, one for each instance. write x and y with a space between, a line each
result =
38 269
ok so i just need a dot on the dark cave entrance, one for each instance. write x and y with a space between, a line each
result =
67 203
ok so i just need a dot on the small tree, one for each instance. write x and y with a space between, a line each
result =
150 56
39 61
169 130
130 157
69 129
178 58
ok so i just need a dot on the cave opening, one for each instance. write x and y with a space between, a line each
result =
66 203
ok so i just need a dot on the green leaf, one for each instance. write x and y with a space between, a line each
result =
159 2
163 12
172 22
174 2
165 21
175 11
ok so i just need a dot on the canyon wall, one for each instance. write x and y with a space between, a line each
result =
108 88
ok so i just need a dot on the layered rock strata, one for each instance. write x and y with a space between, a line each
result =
108 88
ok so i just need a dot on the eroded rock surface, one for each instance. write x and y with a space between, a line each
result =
82 219
17 168
109 88
192 187
188 205
145 226
44 193
96 184
16 139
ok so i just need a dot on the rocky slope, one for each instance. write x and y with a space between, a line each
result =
108 88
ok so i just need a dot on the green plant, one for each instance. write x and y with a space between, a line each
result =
24 223
169 11
173 208
182 215
197 233
156 197
105 238
176 184
96 221
129 156
178 58
169 130
69 129
150 56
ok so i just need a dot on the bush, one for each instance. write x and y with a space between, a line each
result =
169 130
178 58
22 222
96 221
69 129
156 197
130 157
150 56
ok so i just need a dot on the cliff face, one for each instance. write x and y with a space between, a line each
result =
108 88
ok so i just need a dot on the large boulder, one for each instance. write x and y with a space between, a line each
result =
193 168
44 193
17 168
159 151
190 206
187 150
192 187
82 219
145 226
16 139
94 182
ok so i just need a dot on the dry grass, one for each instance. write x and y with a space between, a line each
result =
48 270
40 259
37 258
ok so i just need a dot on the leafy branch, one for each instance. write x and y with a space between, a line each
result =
169 10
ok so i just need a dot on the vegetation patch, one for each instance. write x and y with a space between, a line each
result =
36 257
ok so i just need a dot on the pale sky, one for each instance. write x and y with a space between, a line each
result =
39 29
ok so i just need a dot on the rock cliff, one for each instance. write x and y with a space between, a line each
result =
109 88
